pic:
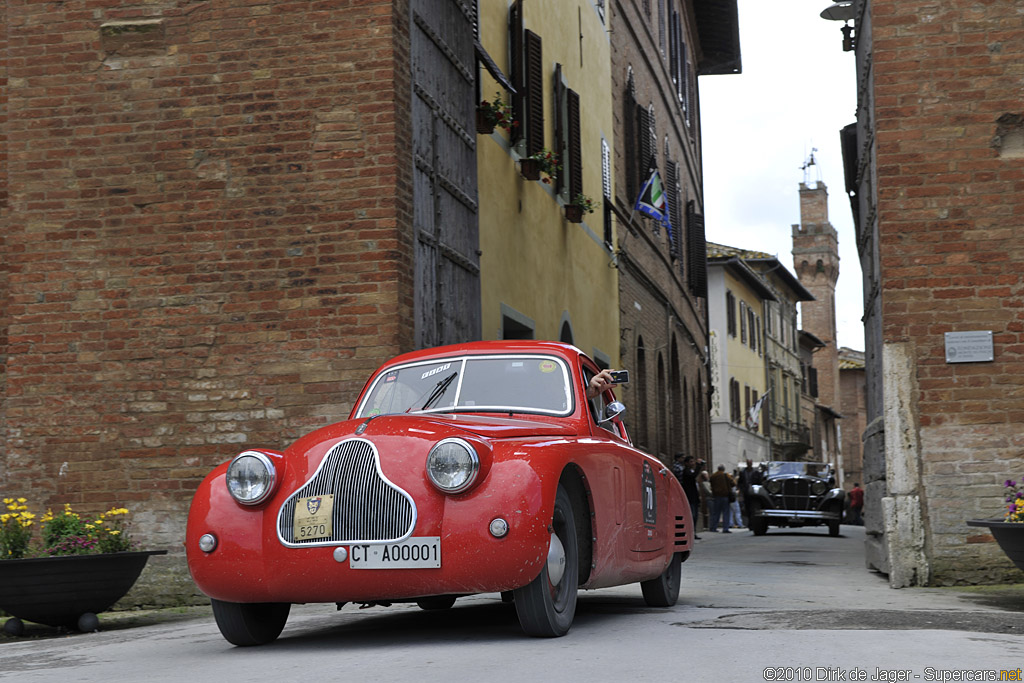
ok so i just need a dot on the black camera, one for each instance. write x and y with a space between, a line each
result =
620 376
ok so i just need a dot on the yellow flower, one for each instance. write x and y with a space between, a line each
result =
22 500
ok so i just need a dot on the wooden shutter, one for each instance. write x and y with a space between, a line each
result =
643 117
672 195
560 141
697 249
572 106
515 41
534 93
628 154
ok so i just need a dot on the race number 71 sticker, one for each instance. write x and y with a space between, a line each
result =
650 497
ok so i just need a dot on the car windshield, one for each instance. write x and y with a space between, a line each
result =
505 383
813 469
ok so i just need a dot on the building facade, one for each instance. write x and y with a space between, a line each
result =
933 169
658 51
542 276
737 299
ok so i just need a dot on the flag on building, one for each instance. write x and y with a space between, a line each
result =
754 418
651 201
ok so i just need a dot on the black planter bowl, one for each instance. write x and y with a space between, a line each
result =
1009 536
68 591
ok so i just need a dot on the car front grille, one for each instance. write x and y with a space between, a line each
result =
796 495
367 507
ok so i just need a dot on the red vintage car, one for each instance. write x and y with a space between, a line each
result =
464 469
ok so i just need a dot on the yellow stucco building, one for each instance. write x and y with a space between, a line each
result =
541 275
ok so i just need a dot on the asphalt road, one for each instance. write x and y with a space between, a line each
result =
788 606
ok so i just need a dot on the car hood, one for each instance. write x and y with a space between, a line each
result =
437 425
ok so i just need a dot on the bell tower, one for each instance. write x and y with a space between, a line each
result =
816 262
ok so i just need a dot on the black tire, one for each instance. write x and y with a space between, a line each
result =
833 528
759 525
547 610
436 602
664 590
247 624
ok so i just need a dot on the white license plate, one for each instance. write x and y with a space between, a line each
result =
413 553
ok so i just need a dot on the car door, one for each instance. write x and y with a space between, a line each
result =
640 490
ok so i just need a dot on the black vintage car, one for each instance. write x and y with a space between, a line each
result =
796 494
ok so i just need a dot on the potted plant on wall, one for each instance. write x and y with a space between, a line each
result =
1008 531
493 114
580 205
74 569
544 161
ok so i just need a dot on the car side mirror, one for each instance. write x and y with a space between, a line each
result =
613 411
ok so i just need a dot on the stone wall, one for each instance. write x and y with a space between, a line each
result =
207 224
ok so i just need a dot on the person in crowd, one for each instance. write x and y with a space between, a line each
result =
856 505
685 470
721 482
704 486
735 501
748 476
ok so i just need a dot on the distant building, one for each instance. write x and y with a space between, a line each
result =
853 406
737 298
658 50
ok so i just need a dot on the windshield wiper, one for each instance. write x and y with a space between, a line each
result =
437 393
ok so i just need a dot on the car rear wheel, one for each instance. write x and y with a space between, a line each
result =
246 624
758 524
546 606
664 590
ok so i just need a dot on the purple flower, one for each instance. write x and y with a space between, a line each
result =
1010 483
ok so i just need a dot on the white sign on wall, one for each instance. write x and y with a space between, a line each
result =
969 347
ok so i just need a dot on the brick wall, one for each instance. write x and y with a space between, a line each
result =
950 207
208 240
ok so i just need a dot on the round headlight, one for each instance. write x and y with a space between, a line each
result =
452 465
251 478
773 486
819 487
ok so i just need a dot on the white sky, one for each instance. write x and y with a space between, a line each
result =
797 90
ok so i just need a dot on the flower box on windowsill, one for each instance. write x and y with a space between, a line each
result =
483 125
573 213
529 168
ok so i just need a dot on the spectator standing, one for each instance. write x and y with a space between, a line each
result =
685 470
704 486
721 483
748 476
856 505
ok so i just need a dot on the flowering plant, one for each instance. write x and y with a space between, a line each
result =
549 164
1014 501
584 202
65 533
15 528
497 113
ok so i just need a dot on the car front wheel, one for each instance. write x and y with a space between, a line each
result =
246 624
758 524
546 606
664 590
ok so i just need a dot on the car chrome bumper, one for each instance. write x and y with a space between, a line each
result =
800 514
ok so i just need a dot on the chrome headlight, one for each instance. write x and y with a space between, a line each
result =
453 465
251 478
819 487
774 486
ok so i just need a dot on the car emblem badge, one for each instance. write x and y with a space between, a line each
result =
313 505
